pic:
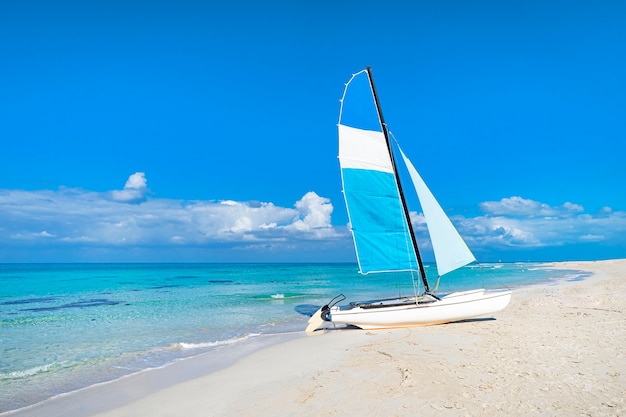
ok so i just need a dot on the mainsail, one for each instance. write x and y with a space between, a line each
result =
378 218
379 225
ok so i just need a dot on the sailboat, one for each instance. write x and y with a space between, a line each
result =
383 234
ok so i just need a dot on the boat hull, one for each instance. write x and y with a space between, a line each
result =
453 307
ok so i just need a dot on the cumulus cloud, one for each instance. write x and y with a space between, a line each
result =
259 221
73 216
519 222
134 190
80 218
518 206
573 207
314 215
513 206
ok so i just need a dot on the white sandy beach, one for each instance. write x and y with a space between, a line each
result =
557 350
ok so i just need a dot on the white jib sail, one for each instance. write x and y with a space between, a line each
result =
451 251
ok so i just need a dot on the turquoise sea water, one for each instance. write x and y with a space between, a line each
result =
67 326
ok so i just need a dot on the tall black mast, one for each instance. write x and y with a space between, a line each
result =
395 172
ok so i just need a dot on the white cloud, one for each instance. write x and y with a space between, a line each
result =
134 190
591 238
72 216
314 215
573 207
519 222
79 218
517 206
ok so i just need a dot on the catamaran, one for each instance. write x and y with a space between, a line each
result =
383 235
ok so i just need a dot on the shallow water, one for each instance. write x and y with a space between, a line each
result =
67 326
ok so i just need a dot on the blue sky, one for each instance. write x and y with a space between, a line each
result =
190 131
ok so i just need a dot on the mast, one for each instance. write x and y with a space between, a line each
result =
395 172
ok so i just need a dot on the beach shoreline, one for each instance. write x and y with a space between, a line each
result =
556 350
131 387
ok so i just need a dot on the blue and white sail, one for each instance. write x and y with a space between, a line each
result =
377 218
382 232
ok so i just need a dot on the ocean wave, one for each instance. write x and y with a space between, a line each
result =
25 373
277 297
281 296
577 276
201 345
485 266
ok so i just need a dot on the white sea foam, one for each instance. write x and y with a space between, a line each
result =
278 296
32 371
183 345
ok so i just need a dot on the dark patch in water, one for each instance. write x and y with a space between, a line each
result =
160 287
306 309
97 302
220 281
29 301
185 277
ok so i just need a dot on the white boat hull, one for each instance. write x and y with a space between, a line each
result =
453 307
